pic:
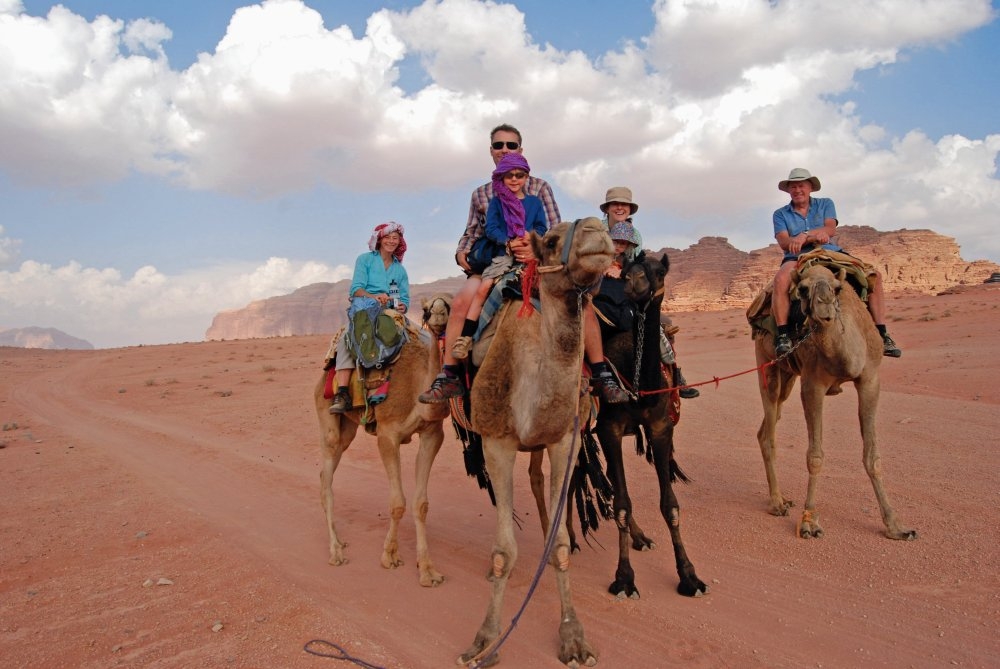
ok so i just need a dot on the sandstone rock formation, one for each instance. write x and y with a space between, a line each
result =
49 338
319 308
709 275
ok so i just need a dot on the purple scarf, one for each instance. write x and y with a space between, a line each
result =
510 204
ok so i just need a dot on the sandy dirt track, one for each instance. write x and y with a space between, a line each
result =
161 509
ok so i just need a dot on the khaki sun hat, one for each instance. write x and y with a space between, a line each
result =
621 194
799 174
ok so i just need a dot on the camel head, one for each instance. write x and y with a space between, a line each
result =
582 250
818 292
436 312
644 279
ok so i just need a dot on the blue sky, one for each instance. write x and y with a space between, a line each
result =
164 161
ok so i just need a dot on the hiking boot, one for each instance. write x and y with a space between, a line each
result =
889 347
460 349
607 388
782 345
685 393
341 403
443 389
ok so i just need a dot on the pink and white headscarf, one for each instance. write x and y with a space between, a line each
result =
383 229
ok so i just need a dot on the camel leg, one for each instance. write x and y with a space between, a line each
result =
609 434
388 448
773 393
662 443
500 455
812 404
336 434
868 393
430 443
537 479
573 648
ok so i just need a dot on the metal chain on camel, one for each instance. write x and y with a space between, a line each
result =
716 379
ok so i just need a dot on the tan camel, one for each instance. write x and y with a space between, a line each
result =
843 346
398 418
525 398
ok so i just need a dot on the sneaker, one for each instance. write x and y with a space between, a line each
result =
341 403
443 389
685 393
889 347
460 349
607 388
782 345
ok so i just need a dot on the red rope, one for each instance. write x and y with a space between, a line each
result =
529 281
715 380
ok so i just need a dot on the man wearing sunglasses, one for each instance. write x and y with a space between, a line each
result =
504 139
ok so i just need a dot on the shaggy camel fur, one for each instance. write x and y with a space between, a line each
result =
525 398
636 355
398 418
844 345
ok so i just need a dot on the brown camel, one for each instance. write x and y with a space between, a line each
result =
526 397
842 345
397 419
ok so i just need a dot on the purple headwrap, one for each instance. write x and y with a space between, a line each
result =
380 231
510 205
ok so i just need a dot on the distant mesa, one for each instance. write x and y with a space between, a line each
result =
708 276
49 338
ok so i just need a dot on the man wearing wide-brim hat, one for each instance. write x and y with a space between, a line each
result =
807 223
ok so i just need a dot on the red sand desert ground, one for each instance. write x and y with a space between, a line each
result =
161 509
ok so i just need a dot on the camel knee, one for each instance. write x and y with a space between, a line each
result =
873 466
501 566
674 516
814 463
421 512
621 519
396 512
560 557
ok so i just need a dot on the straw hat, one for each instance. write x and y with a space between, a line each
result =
621 194
799 174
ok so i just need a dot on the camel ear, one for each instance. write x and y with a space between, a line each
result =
536 244
665 261
842 274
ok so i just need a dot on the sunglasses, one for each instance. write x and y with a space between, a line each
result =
515 175
512 146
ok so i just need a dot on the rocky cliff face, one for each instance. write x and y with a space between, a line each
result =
49 338
320 308
710 275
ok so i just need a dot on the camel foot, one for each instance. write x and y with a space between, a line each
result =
902 535
482 641
391 560
809 527
430 577
338 560
692 586
781 508
642 543
622 589
574 651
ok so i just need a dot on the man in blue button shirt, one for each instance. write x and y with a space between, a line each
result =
805 224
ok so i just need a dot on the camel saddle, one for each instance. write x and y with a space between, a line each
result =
858 273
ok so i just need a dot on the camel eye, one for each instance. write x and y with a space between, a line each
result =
551 243
803 292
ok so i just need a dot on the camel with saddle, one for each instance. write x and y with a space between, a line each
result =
837 342
527 396
394 420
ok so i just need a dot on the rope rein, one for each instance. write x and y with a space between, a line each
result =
485 654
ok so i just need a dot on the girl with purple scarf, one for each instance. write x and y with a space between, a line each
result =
512 213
